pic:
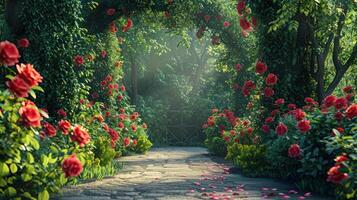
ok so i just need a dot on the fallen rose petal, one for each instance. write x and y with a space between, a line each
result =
307 194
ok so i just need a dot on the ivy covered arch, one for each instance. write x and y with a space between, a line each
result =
57 34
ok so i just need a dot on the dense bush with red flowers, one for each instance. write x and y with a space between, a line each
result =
291 141
40 154
215 128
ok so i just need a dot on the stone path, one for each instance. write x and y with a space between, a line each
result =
180 173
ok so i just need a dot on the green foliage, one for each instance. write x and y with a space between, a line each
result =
345 145
25 170
250 159
104 151
216 145
56 38
143 144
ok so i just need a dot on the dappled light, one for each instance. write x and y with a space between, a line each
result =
178 99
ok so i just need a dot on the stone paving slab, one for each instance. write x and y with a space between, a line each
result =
182 173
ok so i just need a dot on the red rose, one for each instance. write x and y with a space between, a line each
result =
268 92
351 111
329 101
145 126
110 11
120 97
49 129
133 128
113 135
271 79
279 102
339 116
348 89
9 54
294 151
18 87
244 24
133 117
304 125
122 110
299 114
105 127
238 67
30 114
250 130
99 118
62 113
29 74
340 103
240 7
340 159
207 18
269 120
281 129
80 136
71 166
274 112
23 43
79 60
135 142
215 40
121 125
265 128
128 25
226 24
126 142
64 126
122 117
249 85
335 176
113 28
103 54
95 95
166 14
309 100
232 132
260 68
122 88
291 106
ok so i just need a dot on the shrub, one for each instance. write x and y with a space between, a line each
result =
214 129
250 159
345 147
143 144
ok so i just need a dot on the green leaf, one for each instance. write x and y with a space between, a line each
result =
4 169
26 177
10 191
38 88
33 94
29 158
9 77
43 195
13 168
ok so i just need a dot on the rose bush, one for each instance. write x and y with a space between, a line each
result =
299 143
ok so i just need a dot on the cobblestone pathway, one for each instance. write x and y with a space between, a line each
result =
180 173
